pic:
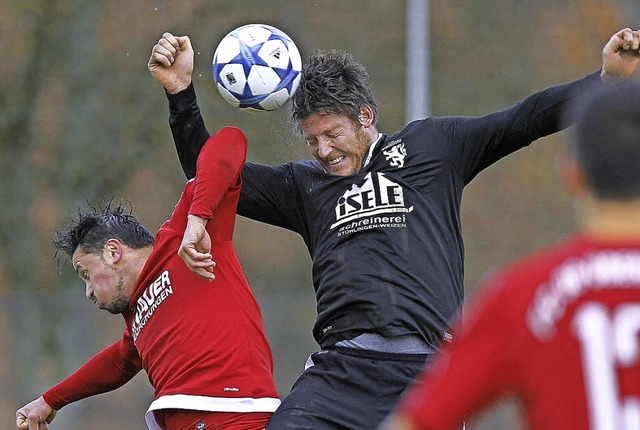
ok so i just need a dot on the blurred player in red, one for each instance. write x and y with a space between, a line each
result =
200 341
559 330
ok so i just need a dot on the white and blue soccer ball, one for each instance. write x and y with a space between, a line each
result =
257 67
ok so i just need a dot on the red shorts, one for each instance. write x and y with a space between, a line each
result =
182 419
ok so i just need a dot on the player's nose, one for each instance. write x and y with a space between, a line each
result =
324 148
89 292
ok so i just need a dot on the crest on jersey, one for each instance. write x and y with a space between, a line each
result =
395 153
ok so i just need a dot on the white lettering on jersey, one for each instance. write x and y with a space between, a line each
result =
378 202
148 302
597 271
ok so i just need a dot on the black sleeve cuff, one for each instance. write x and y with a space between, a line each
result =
183 100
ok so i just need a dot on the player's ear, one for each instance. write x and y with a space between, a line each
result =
113 249
366 116
572 175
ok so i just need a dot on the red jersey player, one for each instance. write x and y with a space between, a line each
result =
559 330
201 343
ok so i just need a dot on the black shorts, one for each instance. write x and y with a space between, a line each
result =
347 389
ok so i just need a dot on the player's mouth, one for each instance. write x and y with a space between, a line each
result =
336 160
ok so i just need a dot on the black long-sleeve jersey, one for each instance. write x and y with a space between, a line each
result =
386 243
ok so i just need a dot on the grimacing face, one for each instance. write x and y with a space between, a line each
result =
338 144
104 283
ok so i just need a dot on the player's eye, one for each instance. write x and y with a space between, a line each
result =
335 134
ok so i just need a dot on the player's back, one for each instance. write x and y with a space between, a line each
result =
578 363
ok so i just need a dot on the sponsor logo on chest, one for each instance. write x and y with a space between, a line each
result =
376 203
152 297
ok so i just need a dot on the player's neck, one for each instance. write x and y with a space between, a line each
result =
372 132
611 219
136 260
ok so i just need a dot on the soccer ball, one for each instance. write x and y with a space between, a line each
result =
257 67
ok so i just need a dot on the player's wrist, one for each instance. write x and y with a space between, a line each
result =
611 78
196 219
182 100
176 86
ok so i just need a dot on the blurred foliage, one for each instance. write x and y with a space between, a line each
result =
82 120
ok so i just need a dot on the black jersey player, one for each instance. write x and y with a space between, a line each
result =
380 216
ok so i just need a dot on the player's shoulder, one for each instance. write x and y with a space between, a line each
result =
508 289
429 125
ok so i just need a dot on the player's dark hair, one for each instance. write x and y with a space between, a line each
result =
606 140
332 83
96 225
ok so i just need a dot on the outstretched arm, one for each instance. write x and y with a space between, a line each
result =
109 369
621 55
171 64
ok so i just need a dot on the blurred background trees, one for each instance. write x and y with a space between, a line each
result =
83 121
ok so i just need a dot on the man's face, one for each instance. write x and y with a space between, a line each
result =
104 283
338 144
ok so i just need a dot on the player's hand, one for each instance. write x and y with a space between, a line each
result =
35 415
171 62
621 55
195 248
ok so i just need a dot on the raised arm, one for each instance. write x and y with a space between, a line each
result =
218 171
479 142
171 64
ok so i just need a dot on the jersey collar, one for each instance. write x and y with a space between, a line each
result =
371 148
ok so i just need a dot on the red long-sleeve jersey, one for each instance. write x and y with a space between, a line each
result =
202 344
559 330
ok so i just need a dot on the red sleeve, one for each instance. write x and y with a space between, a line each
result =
475 369
218 169
109 369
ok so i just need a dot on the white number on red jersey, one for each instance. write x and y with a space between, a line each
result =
609 341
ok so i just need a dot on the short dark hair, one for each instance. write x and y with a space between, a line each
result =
332 83
606 139
96 225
